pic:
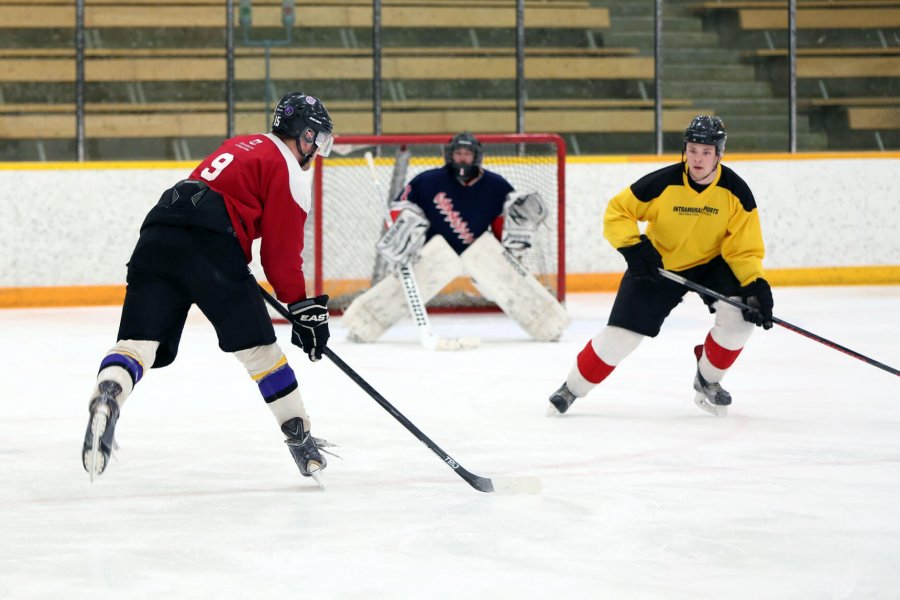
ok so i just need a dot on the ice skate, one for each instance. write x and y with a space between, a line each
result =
710 397
305 449
98 440
560 401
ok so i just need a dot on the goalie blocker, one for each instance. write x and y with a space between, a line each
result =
498 273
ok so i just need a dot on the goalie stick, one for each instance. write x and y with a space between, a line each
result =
506 485
411 290
737 304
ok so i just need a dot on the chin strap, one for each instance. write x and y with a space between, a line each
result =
306 157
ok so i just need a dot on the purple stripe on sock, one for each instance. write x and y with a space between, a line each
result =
277 384
133 367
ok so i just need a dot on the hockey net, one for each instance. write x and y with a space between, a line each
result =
348 210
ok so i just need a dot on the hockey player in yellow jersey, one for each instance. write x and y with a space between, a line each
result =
703 224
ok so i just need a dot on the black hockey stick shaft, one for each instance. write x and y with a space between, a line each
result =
482 484
738 304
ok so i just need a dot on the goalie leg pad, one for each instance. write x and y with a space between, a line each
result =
373 312
514 289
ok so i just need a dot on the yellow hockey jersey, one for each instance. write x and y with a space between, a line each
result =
688 227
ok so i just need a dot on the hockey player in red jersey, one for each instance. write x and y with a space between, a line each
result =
194 248
703 224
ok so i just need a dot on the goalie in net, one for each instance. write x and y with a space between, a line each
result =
460 219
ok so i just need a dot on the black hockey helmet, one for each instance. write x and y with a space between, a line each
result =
299 115
705 129
462 172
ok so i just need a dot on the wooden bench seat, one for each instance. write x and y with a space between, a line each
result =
348 121
857 51
821 18
308 14
389 105
832 63
873 118
801 4
299 52
303 4
252 68
851 101
826 67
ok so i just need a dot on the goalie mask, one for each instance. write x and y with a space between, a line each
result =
464 172
304 117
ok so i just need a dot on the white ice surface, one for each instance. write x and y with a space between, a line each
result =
796 494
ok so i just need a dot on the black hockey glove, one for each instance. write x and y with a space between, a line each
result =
311 325
644 262
758 296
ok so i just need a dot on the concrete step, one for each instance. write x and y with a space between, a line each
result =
672 40
709 91
702 57
774 142
755 124
750 107
618 8
646 24
716 72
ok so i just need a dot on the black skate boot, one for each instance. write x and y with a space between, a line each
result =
98 440
304 448
560 400
710 397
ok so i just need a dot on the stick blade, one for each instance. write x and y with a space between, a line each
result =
454 344
517 485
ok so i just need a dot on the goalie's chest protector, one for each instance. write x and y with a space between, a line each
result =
458 213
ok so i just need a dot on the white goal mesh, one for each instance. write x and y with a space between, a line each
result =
348 213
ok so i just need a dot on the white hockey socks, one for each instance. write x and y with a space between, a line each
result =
268 367
124 364
724 342
599 357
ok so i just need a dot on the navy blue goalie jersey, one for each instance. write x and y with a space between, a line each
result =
459 213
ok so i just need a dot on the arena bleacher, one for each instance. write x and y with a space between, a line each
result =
156 72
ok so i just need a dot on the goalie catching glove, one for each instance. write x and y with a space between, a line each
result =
401 243
310 322
522 213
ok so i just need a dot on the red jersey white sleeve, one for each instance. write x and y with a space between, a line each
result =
268 196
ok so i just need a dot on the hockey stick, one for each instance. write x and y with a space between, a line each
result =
708 292
412 294
511 485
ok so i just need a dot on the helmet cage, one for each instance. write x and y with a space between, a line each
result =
464 172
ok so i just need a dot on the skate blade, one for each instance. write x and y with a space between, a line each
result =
552 411
95 461
318 480
713 409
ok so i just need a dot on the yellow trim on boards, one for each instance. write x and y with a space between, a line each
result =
98 165
573 159
588 159
111 295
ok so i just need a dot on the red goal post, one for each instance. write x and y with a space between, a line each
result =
347 215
